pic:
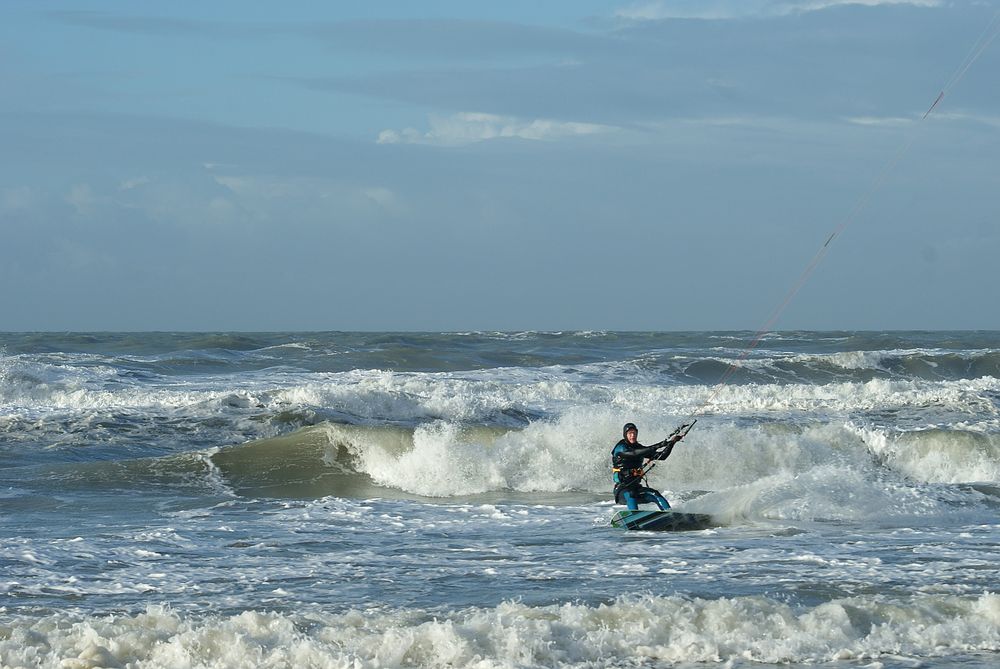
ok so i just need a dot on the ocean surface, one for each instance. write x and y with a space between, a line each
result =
443 500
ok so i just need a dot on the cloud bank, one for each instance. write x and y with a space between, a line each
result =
660 10
471 127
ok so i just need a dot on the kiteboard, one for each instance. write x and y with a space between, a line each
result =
661 521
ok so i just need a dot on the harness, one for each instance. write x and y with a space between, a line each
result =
631 473
627 471
627 468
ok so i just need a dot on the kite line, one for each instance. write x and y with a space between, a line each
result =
987 37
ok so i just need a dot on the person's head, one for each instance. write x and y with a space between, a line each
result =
630 432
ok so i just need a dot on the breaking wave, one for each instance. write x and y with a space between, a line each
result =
738 473
646 631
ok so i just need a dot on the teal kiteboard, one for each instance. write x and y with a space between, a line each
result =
661 521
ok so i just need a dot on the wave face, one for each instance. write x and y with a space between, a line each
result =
462 414
442 499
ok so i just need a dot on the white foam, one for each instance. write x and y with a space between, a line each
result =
33 389
777 447
820 471
216 479
939 456
629 631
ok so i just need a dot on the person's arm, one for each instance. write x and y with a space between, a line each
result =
644 452
666 447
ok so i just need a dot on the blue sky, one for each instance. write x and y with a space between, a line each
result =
651 165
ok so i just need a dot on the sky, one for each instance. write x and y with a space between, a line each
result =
455 166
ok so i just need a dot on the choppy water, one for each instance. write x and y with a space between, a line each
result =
373 500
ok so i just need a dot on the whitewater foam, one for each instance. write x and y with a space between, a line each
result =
935 455
353 499
740 631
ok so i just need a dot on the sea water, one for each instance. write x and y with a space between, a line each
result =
429 500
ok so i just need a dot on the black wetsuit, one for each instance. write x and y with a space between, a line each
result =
626 462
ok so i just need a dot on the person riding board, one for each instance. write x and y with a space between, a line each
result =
627 467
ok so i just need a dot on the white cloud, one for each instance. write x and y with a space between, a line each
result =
812 5
880 120
658 10
129 184
470 127
184 201
954 117
993 121
268 196
254 186
685 9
